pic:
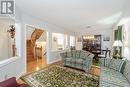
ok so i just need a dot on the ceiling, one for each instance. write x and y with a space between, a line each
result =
75 15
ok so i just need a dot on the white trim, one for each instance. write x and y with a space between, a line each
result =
21 74
8 61
26 43
55 61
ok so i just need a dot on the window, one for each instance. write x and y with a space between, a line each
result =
66 42
57 41
72 41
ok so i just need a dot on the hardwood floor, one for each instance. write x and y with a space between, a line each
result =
36 64
95 70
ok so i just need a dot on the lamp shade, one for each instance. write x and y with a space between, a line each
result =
117 43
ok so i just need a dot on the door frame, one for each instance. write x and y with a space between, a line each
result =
26 25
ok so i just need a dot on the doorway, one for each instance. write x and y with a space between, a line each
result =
35 48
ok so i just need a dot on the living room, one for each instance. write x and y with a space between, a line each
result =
84 41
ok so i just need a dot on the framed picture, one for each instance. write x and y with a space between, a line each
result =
106 38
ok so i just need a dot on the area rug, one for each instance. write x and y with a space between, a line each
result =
57 76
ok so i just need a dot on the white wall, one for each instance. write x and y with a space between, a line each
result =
79 45
19 66
13 66
30 20
5 39
125 22
10 68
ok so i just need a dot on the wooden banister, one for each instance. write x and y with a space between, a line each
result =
35 35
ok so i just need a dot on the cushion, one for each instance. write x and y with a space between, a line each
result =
82 55
116 64
107 62
73 53
79 61
104 62
11 82
68 59
112 78
77 54
69 54
127 70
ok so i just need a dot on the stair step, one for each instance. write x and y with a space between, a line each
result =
35 35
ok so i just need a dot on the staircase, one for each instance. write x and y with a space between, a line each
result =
31 44
29 52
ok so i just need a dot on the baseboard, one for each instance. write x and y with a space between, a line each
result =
54 61
18 77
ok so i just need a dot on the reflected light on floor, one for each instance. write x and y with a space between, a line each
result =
37 68
36 65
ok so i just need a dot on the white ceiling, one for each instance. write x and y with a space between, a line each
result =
75 15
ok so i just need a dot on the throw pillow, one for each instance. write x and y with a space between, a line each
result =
107 62
116 64
69 54
127 70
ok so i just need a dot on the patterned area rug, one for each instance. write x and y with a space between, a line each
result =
57 76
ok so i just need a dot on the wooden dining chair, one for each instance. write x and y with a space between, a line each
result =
104 53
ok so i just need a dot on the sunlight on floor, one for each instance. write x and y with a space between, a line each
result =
36 65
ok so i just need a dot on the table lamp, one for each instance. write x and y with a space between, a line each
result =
117 44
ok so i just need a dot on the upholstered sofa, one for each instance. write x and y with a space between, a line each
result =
77 59
114 73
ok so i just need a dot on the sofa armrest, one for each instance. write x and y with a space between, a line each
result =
102 61
88 63
90 57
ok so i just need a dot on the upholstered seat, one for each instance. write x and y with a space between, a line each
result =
78 59
111 73
113 77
